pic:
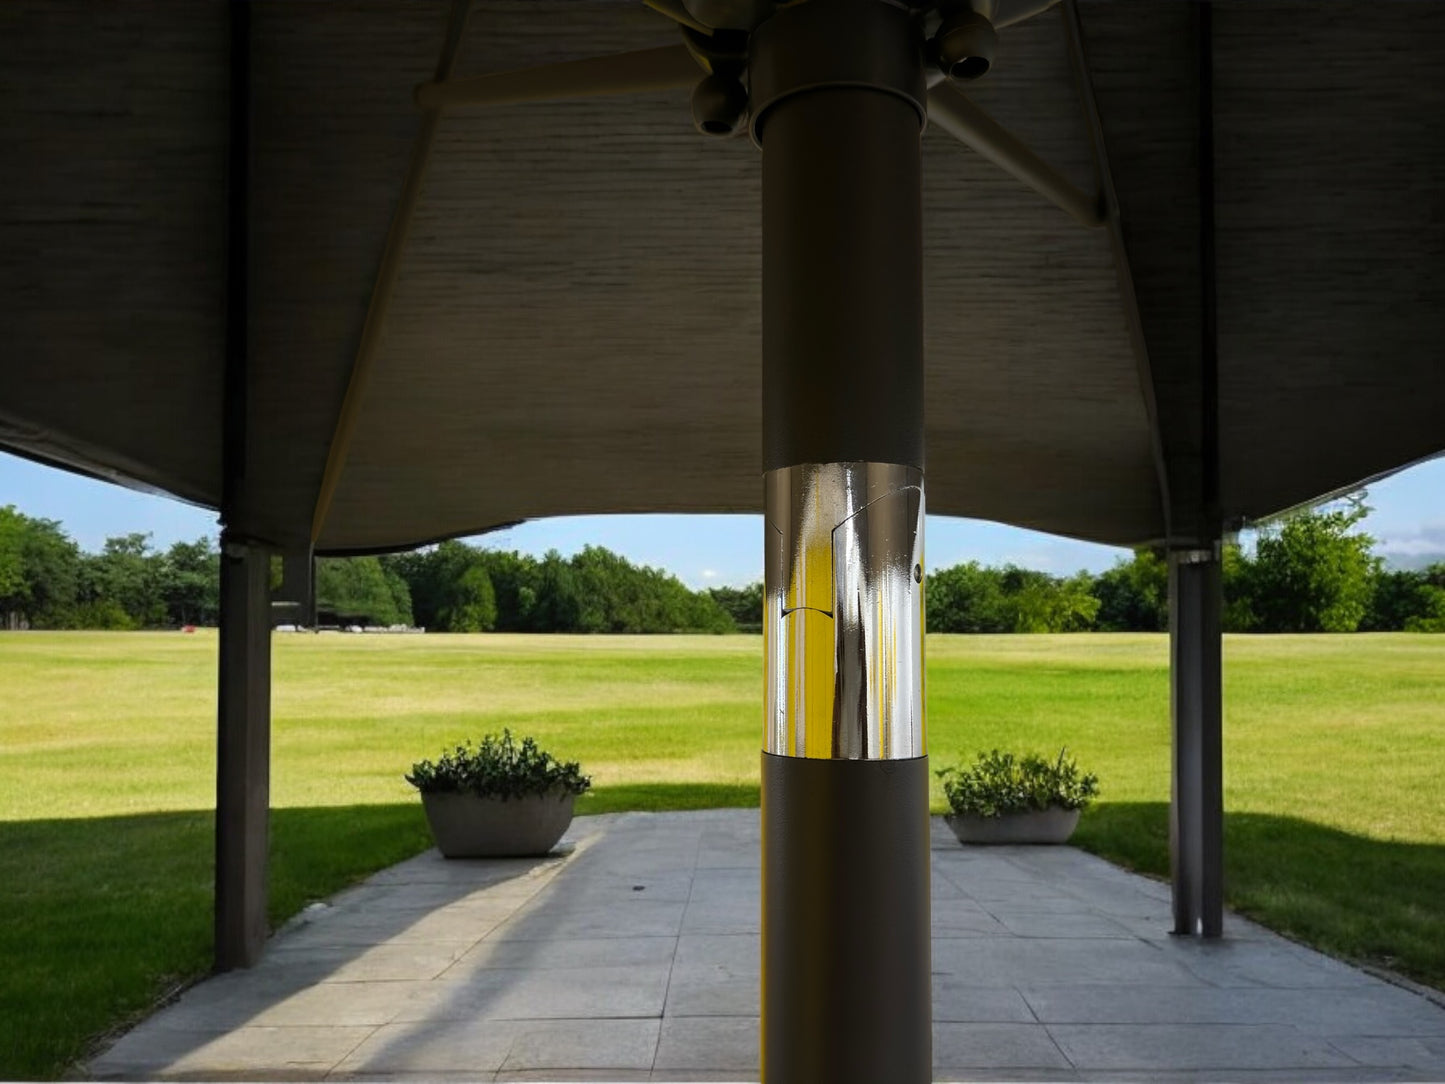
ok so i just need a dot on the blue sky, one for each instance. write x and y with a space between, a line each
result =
1408 521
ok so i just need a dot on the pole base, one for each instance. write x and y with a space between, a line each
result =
847 956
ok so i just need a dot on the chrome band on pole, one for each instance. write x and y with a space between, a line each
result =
843 611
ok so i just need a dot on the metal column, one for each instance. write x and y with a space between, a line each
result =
243 763
243 719
838 106
1196 809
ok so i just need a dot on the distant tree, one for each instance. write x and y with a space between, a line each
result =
124 578
514 585
433 579
967 598
558 606
1237 576
1134 594
14 596
595 590
400 594
52 575
743 604
613 595
1412 600
190 579
703 614
358 588
1430 617
1313 572
1046 604
471 604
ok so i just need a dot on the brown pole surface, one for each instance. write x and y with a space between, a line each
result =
243 762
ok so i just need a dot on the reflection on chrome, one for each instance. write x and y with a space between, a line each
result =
843 611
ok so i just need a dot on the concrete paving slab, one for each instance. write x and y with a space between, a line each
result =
715 975
992 1047
451 923
607 888
693 994
545 994
1024 923
1249 1076
345 1004
635 957
430 1046
568 952
568 1076
290 1052
963 917
1426 1054
1215 1047
1365 1010
1277 964
1014 961
387 962
437 1074
583 1045
567 919
729 1044
148 1052
957 1003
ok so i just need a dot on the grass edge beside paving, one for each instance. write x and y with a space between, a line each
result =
106 769
354 842
151 925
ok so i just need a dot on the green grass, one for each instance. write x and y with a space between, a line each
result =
1335 772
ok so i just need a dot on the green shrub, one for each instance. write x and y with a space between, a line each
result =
501 767
1000 783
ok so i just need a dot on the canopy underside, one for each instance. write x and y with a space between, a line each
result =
575 324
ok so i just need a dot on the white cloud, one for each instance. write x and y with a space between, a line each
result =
1410 549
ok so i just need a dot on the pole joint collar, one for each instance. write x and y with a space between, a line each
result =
830 44
1195 556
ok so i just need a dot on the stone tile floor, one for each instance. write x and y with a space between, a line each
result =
635 958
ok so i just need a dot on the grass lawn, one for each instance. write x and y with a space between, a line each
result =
1334 746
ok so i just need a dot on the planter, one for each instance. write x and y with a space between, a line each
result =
466 826
1054 825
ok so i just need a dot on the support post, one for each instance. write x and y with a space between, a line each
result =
297 594
1196 810
243 716
837 105
243 764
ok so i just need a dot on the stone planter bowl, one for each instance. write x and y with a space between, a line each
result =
1053 825
466 826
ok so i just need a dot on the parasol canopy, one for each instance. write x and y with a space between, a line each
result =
572 319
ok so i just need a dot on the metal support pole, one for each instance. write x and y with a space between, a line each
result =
297 594
243 729
838 102
1196 811
243 765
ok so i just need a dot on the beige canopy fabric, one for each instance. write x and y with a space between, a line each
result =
575 323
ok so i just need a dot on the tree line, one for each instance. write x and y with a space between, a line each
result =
1312 571
48 582
455 587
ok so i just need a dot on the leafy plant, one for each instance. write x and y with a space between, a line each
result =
500 767
1000 783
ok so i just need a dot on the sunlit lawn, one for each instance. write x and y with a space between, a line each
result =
1335 777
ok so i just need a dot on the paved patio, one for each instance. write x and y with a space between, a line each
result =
636 958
